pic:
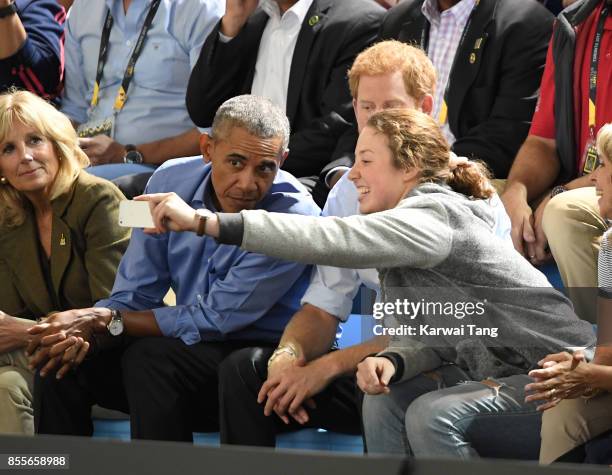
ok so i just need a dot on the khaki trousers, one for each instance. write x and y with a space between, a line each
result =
572 423
573 227
16 383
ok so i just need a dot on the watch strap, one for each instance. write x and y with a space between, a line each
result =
201 229
557 190
10 9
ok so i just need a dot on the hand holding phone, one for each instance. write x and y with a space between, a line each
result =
135 214
169 213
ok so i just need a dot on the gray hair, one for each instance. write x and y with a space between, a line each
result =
257 115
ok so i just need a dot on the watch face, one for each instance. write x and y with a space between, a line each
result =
133 156
115 327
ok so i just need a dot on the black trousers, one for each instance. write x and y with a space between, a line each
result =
170 389
133 185
242 420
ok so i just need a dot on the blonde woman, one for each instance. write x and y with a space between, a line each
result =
579 391
429 231
59 240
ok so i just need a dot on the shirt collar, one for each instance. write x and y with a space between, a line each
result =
202 197
116 6
299 10
461 11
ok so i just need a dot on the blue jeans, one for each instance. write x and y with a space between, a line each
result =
443 414
116 170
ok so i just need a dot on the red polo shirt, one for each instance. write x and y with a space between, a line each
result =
543 124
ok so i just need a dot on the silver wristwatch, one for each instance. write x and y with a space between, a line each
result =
115 326
132 155
557 190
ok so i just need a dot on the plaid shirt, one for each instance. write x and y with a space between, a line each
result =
444 36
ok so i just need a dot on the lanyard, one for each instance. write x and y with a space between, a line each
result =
594 72
129 70
443 115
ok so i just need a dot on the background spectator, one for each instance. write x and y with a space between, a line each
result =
31 46
488 57
153 125
549 195
296 53
574 393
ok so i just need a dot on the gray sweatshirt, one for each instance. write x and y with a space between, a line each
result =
436 248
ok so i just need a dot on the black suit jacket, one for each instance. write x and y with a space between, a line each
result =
318 100
492 94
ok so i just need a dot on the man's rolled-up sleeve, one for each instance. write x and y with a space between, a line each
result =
332 289
143 277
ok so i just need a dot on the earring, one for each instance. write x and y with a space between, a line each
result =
3 180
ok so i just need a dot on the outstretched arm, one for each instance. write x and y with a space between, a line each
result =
418 236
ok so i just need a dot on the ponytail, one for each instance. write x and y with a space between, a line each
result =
471 178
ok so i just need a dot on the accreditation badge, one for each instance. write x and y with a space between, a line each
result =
97 127
589 158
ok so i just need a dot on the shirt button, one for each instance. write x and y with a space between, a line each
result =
128 43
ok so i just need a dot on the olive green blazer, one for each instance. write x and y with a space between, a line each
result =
86 247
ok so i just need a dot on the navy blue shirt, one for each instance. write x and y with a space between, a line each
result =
38 65
222 292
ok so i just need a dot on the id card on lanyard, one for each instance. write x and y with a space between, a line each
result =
588 161
106 126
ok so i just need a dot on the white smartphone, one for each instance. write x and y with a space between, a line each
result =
135 214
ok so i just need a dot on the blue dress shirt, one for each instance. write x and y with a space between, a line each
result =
155 108
222 292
